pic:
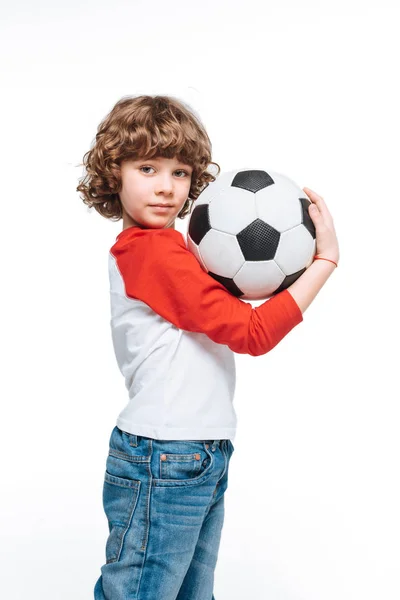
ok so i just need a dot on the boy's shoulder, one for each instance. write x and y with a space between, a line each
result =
136 239
143 255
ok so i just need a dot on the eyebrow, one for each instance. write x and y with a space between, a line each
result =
158 158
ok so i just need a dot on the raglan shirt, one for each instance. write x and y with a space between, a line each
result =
175 330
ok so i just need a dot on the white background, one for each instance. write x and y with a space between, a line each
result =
309 89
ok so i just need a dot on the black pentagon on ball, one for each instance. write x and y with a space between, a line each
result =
199 223
306 219
289 279
253 180
258 241
228 283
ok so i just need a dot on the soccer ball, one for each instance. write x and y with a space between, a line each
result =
250 230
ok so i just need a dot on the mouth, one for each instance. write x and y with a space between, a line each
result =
161 208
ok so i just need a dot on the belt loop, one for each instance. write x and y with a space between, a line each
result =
133 440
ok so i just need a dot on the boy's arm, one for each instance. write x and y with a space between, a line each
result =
306 287
158 269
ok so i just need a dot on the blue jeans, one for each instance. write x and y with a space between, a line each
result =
164 502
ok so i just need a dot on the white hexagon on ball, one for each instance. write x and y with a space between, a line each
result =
221 253
210 192
281 211
213 189
239 204
295 250
259 279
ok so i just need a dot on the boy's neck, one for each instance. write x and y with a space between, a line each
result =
127 221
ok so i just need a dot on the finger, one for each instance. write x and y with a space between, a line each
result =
319 201
314 213
312 194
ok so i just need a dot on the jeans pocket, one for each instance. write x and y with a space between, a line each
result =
181 463
120 496
180 467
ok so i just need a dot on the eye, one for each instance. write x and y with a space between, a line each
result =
182 173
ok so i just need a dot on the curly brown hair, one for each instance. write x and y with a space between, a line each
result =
144 127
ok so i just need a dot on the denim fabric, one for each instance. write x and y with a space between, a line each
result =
164 502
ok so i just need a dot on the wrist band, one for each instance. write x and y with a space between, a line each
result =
322 258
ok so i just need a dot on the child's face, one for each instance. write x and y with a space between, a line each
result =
147 184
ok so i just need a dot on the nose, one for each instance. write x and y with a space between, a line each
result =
164 184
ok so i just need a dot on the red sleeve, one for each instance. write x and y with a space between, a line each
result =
158 269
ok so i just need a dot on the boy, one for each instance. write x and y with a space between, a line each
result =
175 331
